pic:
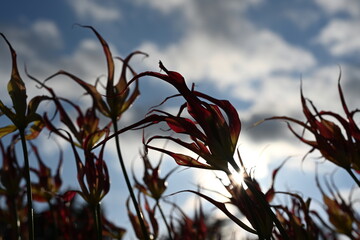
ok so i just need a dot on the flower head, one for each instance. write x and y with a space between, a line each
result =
24 114
118 96
153 185
213 126
93 176
48 185
337 141
85 129
11 173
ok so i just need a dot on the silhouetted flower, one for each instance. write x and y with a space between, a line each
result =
118 97
93 176
135 222
153 185
341 149
48 185
24 114
214 134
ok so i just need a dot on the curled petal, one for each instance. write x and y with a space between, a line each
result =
182 159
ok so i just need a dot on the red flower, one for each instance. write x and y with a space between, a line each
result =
48 185
11 173
214 128
135 222
85 129
341 213
153 185
118 96
93 176
338 143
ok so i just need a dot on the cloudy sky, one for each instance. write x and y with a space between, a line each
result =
252 52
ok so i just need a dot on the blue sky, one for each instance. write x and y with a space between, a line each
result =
253 53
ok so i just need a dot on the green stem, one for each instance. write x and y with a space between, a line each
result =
128 184
353 176
97 217
163 217
28 186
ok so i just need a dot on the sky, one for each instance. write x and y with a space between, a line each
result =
254 53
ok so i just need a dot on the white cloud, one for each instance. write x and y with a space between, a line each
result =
48 31
85 9
187 5
199 56
341 37
351 7
220 45
303 18
36 39
163 7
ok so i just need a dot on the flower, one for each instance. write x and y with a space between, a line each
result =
118 97
24 113
214 128
93 176
252 202
341 213
153 185
48 185
86 125
11 173
338 143
135 221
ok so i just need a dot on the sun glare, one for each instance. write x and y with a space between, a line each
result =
237 177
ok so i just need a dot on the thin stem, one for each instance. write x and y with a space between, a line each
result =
163 217
15 216
28 186
128 184
353 176
97 217
54 216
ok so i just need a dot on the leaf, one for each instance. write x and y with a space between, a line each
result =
35 129
6 130
90 89
109 62
221 206
182 159
7 111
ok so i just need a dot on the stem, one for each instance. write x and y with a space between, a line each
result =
128 184
97 217
163 217
54 216
15 221
353 176
28 186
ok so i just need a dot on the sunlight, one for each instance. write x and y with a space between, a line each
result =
237 177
